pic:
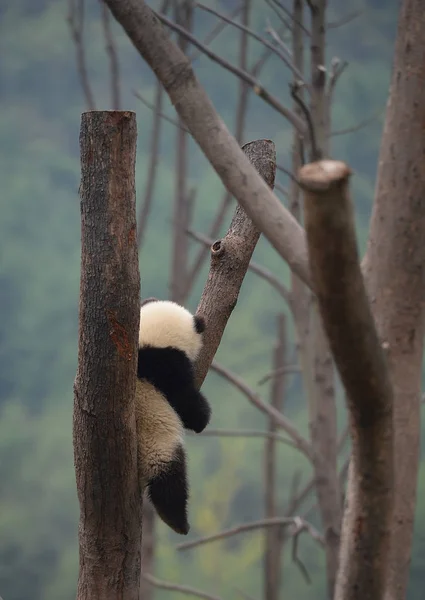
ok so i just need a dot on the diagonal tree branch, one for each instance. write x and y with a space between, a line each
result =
241 112
284 57
244 75
176 587
253 266
209 131
281 421
275 522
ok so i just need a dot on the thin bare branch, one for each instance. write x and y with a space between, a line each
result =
281 421
76 25
292 16
273 540
287 172
241 112
282 18
282 189
259 89
286 369
245 433
178 289
208 130
337 70
360 125
113 58
282 55
344 20
159 112
176 587
215 32
152 165
261 61
279 42
297 522
295 89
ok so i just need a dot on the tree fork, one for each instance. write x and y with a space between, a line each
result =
104 427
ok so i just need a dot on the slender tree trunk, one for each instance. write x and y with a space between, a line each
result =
274 535
104 429
395 270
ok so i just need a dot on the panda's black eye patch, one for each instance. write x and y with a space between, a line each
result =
199 323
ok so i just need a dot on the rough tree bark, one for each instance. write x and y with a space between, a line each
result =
230 258
104 422
361 363
395 270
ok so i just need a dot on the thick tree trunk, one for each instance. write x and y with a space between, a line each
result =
354 342
104 422
395 270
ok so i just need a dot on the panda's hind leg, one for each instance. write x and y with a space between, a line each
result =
168 492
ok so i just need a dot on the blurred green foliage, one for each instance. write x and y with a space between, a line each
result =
41 102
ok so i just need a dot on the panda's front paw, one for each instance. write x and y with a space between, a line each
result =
202 417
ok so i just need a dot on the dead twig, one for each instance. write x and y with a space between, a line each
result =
281 421
259 89
113 57
76 25
176 587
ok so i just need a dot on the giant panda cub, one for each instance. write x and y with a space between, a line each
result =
167 402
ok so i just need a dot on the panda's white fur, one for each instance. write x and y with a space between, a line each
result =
160 430
164 323
167 402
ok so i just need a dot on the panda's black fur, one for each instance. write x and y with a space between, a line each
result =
167 402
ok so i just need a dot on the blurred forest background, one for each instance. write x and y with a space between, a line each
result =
41 102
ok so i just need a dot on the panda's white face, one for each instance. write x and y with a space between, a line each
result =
164 323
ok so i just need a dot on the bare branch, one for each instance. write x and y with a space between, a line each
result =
261 61
215 32
282 55
273 540
344 20
342 299
208 130
338 69
360 125
245 76
175 587
76 25
287 172
292 17
281 421
178 289
241 111
230 258
152 166
245 433
286 369
113 58
295 89
275 522
279 42
154 108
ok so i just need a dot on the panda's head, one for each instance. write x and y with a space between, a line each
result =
165 324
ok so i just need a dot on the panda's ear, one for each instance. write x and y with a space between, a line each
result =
147 300
199 323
